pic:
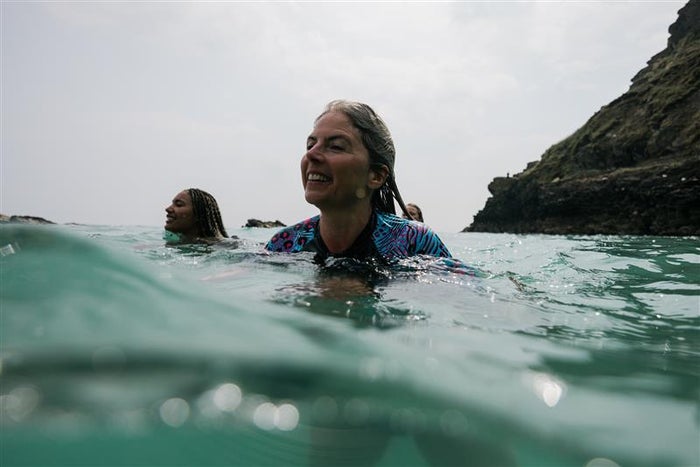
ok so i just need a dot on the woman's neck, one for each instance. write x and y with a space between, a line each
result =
340 229
196 236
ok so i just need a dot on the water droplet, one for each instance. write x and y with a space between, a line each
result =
286 417
227 397
548 388
20 402
264 416
175 412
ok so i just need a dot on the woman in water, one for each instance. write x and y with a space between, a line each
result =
348 173
414 212
193 217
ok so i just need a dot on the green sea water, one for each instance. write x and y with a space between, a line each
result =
116 350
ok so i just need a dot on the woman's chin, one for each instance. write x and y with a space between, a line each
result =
314 199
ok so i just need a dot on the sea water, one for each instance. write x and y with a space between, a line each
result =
560 350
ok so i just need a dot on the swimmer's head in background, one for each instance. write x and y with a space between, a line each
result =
414 212
194 213
206 211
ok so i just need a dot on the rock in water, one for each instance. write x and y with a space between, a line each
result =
23 220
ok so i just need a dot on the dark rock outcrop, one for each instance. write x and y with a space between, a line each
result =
633 168
23 220
263 224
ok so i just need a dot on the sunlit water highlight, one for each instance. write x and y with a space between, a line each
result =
118 350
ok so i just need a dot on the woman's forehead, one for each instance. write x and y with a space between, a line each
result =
335 121
183 195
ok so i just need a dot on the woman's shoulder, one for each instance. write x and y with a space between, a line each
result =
293 237
408 237
395 222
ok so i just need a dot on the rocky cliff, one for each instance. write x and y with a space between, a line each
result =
633 168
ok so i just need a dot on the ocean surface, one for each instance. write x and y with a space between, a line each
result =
117 350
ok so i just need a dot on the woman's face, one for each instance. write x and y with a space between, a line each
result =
180 215
335 170
414 212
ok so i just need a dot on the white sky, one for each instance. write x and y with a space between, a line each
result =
111 108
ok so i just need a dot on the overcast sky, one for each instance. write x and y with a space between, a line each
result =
111 108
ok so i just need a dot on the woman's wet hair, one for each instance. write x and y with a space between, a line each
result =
380 146
206 212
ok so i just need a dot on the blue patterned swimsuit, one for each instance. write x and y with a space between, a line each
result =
386 237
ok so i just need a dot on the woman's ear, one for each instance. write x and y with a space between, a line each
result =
377 176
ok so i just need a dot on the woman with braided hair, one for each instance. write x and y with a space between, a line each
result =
193 217
348 173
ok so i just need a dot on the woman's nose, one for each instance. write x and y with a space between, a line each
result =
314 152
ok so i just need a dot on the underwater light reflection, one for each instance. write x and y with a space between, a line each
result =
548 388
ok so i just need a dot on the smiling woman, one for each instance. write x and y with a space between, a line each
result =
194 217
348 173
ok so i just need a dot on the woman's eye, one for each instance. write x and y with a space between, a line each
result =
336 147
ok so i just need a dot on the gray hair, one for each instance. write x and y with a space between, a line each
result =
380 146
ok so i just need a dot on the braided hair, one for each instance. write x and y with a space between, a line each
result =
379 145
206 212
